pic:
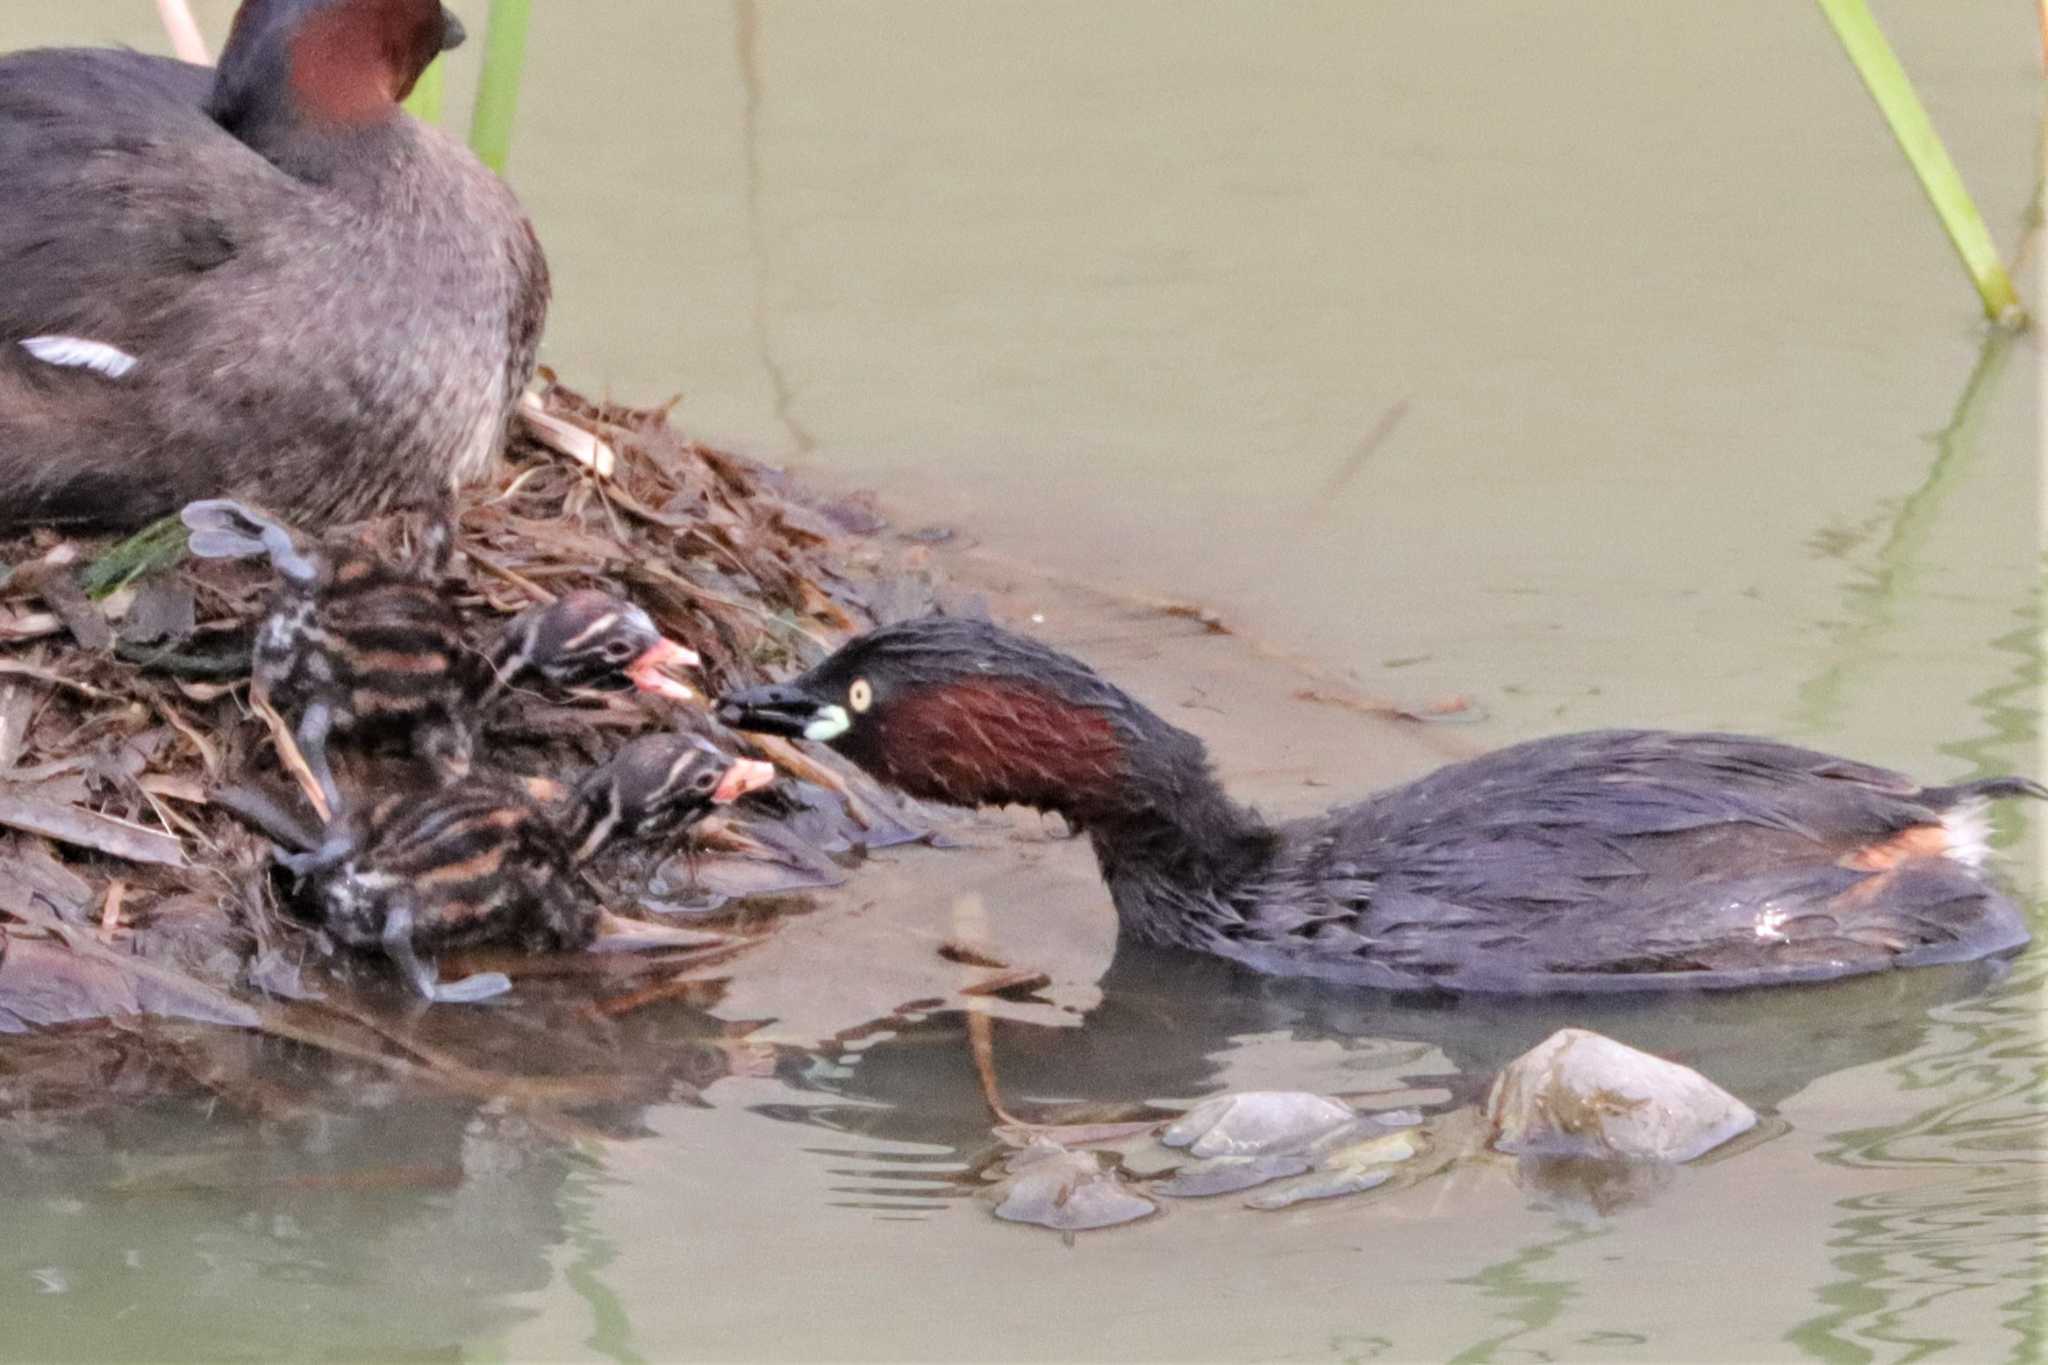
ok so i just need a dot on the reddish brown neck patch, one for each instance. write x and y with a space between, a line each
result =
353 62
998 742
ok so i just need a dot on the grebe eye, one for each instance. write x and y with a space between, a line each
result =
706 781
860 696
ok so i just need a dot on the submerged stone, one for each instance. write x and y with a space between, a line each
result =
1383 1149
1246 1140
1348 1166
1229 1174
1257 1123
1320 1185
1066 1191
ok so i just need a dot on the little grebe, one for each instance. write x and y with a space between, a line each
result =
352 642
265 279
1613 860
482 862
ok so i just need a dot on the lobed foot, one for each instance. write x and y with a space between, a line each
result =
398 925
471 989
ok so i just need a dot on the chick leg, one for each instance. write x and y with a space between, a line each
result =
304 863
398 947
314 727
294 761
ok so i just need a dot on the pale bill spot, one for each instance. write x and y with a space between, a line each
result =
830 724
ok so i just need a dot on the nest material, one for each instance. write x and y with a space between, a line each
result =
123 698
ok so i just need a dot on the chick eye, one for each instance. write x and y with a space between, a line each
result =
860 696
618 650
705 781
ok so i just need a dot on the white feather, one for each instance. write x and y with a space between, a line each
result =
77 353
1969 833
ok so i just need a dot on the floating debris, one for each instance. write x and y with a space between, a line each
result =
70 977
1581 1094
127 889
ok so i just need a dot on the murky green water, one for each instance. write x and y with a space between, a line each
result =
1697 427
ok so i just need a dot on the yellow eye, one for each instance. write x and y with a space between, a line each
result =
860 696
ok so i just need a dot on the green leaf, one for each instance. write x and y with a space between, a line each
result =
156 546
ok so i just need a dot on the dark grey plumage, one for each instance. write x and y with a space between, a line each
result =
1613 860
1622 859
330 318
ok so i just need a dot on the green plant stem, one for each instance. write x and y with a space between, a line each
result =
424 103
158 545
497 91
1888 84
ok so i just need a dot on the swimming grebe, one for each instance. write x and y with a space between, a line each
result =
264 280
352 642
1612 860
481 862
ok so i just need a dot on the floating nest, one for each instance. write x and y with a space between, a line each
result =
128 892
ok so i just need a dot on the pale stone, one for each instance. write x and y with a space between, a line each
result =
1580 1094
1066 1191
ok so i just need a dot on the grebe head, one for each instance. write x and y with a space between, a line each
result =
592 639
659 784
325 63
962 711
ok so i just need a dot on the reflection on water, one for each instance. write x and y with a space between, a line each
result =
591 1255
369 1233
1518 1292
1927 1266
345 1219
1896 567
1173 1026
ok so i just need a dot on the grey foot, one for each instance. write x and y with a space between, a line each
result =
471 989
324 858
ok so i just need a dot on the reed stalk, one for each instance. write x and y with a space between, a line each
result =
424 103
1888 84
497 91
183 30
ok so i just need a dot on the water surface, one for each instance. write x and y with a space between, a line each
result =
1697 426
